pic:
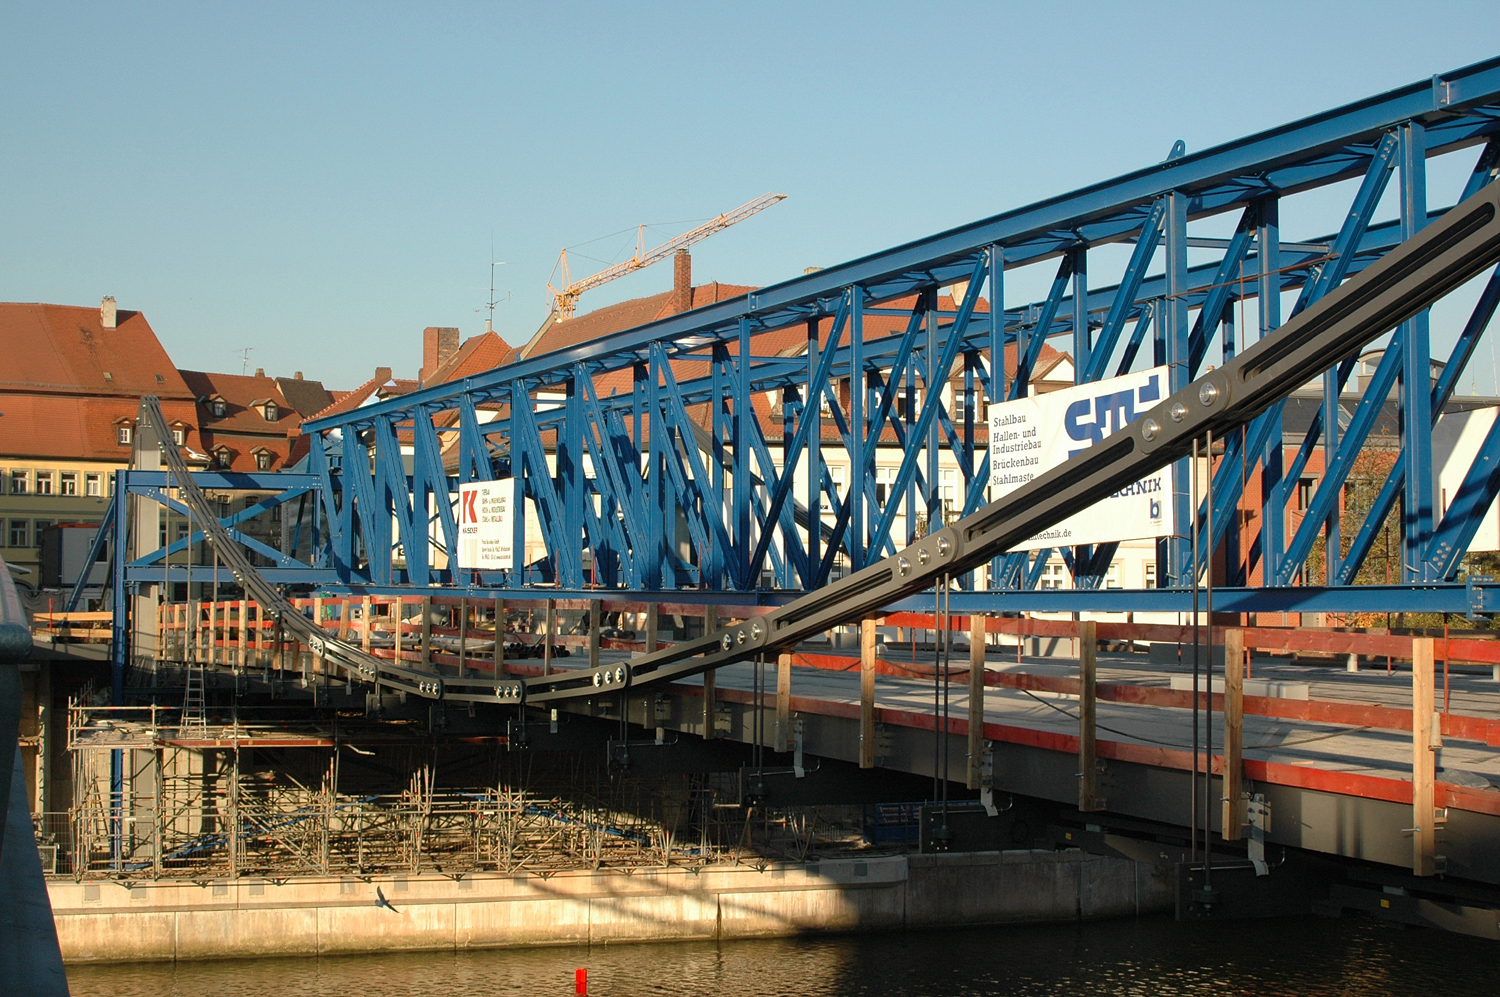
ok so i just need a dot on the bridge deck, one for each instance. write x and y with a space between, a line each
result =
1322 747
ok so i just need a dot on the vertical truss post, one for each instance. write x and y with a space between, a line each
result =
858 474
720 565
1331 545
998 388
1416 372
978 469
812 409
572 487
1177 335
743 488
1082 343
1268 301
910 416
659 512
934 379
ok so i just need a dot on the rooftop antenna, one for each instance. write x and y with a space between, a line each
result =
489 323
244 355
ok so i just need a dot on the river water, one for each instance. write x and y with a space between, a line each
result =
1149 956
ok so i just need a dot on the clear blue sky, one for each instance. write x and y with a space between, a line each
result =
321 181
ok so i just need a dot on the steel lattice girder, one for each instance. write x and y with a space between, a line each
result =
1149 207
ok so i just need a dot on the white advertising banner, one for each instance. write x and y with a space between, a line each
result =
1029 436
486 525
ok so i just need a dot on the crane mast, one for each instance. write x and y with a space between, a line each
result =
565 299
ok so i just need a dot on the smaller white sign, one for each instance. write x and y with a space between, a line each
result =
486 525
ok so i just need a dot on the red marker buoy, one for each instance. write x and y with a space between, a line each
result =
581 982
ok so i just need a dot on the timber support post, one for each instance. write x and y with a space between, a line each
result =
596 607
427 631
499 650
1088 759
1426 739
365 623
783 702
1233 818
549 623
976 700
867 693
710 706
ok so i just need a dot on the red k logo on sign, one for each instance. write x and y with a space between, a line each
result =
468 514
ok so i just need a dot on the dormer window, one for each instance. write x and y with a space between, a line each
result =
263 460
217 408
272 412
221 458
179 436
122 435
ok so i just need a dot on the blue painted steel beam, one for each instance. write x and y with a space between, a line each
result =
1306 153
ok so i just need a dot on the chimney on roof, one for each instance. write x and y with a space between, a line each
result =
260 372
296 375
682 282
107 313
438 346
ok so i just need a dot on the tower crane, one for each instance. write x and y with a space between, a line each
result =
565 299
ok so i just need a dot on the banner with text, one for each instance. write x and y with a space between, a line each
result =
486 525
1031 435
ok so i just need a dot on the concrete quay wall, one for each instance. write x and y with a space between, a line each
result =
167 920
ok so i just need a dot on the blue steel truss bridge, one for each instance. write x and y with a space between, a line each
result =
813 456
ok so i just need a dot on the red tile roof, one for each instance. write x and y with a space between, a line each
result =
243 428
478 354
73 427
64 348
56 401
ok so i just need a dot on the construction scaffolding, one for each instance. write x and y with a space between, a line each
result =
195 802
